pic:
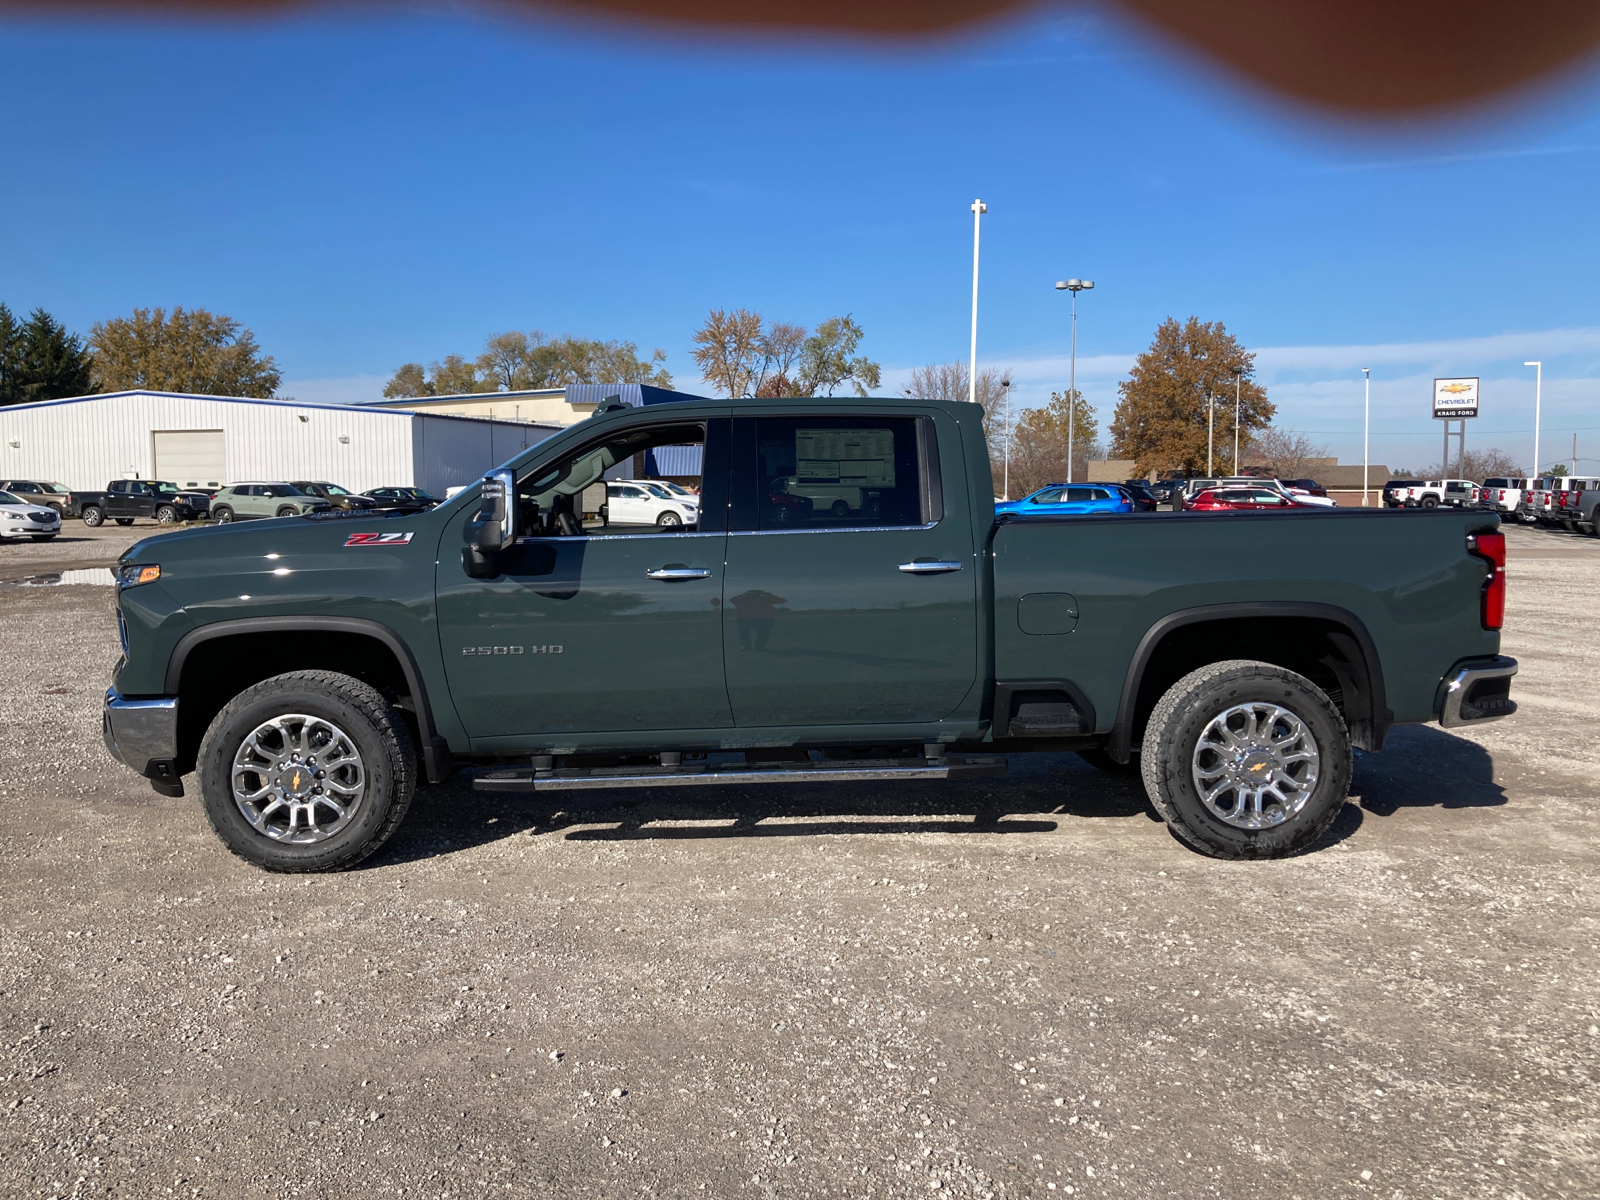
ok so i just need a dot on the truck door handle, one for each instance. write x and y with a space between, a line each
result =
929 566
677 573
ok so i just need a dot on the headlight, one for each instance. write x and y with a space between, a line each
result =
134 574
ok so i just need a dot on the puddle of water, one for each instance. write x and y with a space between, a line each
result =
96 576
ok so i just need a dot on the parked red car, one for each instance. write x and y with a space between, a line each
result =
1231 499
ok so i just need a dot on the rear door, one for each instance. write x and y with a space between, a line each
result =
860 619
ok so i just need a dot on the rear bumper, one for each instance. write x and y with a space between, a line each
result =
143 735
1478 692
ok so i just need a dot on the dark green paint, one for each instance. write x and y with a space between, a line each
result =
836 644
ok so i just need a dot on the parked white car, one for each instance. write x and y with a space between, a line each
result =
666 489
630 502
40 522
1452 493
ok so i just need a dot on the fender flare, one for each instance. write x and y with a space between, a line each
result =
436 755
1120 742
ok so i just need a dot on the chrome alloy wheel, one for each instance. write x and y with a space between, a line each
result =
298 779
1255 765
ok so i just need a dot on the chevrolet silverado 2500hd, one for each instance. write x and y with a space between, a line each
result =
313 671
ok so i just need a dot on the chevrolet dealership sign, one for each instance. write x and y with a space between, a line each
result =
1454 399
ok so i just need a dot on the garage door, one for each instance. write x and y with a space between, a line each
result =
191 457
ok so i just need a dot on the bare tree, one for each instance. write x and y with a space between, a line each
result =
1285 453
728 350
948 381
1477 465
780 346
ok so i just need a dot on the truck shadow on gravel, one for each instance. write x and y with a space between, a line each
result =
1422 766
452 817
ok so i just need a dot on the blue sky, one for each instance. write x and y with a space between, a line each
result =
390 185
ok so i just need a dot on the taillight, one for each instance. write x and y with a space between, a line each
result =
1491 547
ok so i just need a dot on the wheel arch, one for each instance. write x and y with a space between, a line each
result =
365 648
1348 659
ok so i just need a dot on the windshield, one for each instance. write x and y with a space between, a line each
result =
8 498
333 489
419 494
163 489
285 489
59 489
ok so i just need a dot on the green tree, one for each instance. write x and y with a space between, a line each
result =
1162 417
1040 445
517 361
1559 471
827 359
10 357
40 360
409 382
188 350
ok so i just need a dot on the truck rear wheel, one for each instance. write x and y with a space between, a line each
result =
93 515
1246 760
308 771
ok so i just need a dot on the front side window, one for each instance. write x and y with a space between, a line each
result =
571 496
1049 496
839 472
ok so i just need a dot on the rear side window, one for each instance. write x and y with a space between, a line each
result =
837 472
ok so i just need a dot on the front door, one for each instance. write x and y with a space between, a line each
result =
588 628
848 614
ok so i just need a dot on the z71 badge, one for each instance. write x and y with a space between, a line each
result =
377 539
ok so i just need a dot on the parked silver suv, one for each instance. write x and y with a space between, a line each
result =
250 501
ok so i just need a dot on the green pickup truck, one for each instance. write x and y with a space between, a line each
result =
313 671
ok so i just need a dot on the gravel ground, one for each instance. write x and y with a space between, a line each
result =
1014 987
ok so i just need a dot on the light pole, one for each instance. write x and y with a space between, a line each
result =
1366 437
1005 490
1538 388
1211 428
978 209
1074 286
1238 377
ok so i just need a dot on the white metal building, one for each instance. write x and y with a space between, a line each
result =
205 441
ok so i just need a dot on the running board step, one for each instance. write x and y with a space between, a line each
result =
526 779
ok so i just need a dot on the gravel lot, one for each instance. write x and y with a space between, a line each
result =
1013 987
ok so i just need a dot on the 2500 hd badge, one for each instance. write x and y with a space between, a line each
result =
510 649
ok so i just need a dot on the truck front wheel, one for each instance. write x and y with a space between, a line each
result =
1246 760
308 771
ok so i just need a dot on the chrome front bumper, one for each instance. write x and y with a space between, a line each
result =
1478 692
143 734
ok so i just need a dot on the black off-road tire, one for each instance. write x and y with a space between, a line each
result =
222 515
93 516
371 722
1182 715
124 520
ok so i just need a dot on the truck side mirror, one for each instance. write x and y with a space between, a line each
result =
493 527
